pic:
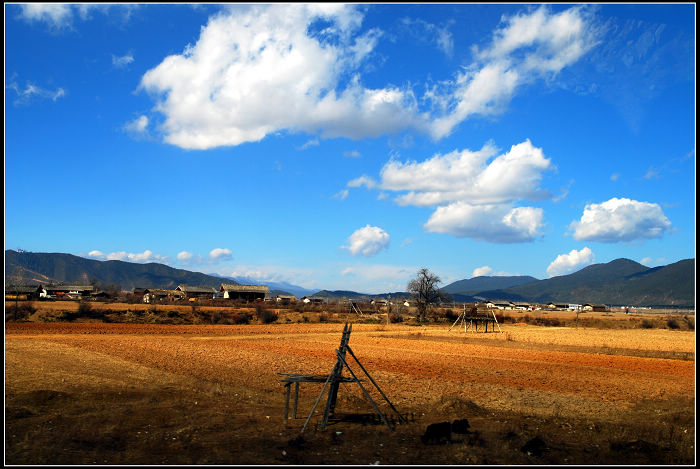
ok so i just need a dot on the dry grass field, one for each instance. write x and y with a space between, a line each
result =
89 392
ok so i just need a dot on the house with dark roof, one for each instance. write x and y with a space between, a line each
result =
22 292
197 293
157 295
65 291
244 292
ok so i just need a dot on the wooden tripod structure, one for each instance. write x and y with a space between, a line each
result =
336 377
473 322
355 309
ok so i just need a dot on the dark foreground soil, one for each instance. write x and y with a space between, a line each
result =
136 394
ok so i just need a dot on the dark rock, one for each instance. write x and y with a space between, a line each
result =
534 447
437 432
460 426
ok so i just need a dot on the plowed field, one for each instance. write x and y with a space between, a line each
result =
153 394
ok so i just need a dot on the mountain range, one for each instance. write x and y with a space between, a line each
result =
22 268
619 282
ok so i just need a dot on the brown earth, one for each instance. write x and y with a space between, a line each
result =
94 393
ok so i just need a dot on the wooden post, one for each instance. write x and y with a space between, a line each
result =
342 359
316 404
401 417
286 402
296 399
337 372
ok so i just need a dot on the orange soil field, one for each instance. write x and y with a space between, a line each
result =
191 394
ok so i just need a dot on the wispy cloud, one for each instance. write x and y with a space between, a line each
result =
61 17
32 92
122 61
311 143
342 195
439 35
138 126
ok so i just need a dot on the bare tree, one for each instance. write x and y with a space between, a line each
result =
425 292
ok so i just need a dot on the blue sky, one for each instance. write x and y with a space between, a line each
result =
347 146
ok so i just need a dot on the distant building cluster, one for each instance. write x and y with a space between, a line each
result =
254 293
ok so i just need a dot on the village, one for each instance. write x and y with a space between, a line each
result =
228 293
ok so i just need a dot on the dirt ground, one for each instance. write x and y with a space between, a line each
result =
95 393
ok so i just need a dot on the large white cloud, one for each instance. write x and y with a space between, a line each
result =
491 223
367 241
478 177
262 69
259 70
620 220
567 263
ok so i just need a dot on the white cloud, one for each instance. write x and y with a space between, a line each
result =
366 181
492 223
31 91
468 176
474 191
56 15
482 271
342 195
367 241
377 278
651 173
352 154
211 94
145 256
60 16
311 143
529 46
220 253
568 263
137 126
184 256
306 278
439 35
651 262
123 61
620 220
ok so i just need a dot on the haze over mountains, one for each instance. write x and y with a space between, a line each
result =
619 282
